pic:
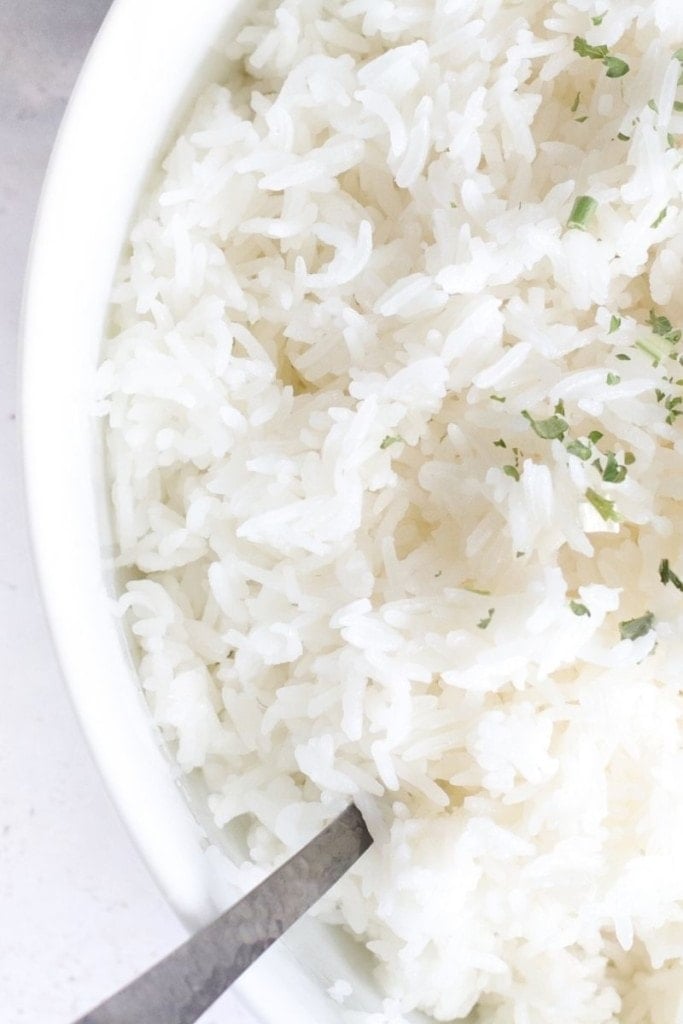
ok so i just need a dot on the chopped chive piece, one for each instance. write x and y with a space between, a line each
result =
579 609
575 104
552 428
629 459
583 209
497 398
614 324
624 358
584 49
500 443
603 505
616 67
511 471
595 436
598 19
388 441
623 138
581 450
613 378
658 220
613 472
633 629
481 593
667 575
485 623
656 348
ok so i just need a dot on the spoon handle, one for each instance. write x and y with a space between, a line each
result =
183 985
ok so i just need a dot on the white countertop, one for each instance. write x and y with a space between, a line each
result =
80 913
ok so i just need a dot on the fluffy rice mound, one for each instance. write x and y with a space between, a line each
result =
393 407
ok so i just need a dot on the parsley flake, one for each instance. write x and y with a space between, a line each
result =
579 609
633 629
667 575
552 428
603 505
485 623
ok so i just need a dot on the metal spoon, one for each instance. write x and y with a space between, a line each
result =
183 985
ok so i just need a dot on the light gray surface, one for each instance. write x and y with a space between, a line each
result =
80 914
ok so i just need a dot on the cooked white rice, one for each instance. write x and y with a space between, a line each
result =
359 572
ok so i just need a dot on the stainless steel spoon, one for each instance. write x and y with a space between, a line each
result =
183 985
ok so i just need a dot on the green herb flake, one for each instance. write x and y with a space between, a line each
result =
653 106
633 629
497 398
485 623
519 554
575 104
474 590
623 357
511 471
667 575
658 220
551 429
678 106
656 348
583 209
661 325
629 459
671 140
616 67
614 324
598 19
623 138
581 120
595 436
603 505
388 441
580 450
584 49
613 473
613 378
559 408
672 407
579 609
500 443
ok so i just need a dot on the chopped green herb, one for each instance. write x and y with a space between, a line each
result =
582 210
575 104
660 325
596 464
653 106
659 395
595 436
613 473
500 443
585 49
603 505
623 138
511 471
613 378
550 429
581 450
624 358
678 55
388 441
497 398
671 140
579 609
481 593
629 459
614 324
671 405
658 220
559 408
519 554
678 106
656 348
598 19
633 629
616 67
667 575
581 120
485 623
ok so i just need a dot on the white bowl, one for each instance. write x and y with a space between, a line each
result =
149 60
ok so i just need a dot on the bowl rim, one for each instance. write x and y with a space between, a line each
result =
74 244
